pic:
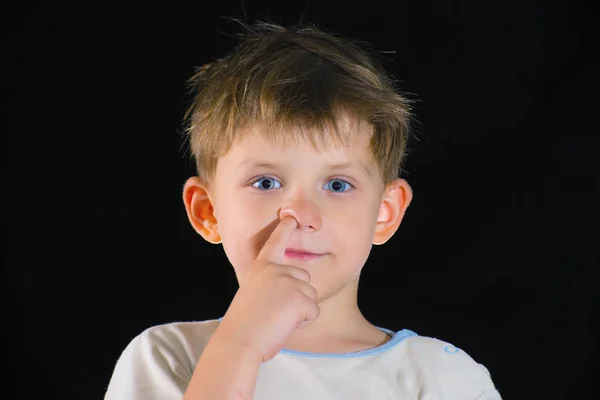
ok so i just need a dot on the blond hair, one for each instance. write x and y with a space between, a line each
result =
301 81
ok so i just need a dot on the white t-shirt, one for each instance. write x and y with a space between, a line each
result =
158 364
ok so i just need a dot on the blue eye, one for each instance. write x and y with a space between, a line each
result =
338 186
265 183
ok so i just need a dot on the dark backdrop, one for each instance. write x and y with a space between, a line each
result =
496 253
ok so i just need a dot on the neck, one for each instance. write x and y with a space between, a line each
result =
340 327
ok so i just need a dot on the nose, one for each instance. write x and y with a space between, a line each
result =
304 211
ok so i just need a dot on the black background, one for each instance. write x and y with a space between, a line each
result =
497 253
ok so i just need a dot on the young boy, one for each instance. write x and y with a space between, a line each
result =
299 137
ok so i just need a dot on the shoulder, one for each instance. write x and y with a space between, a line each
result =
159 362
177 334
435 351
173 343
448 367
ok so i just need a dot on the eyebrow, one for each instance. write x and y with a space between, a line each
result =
362 168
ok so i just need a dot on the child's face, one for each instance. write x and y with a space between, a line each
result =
335 196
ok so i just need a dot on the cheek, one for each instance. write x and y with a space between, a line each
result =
360 214
243 232
354 227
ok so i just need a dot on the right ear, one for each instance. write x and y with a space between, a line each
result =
200 210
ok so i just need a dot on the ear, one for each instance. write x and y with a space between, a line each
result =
394 202
200 210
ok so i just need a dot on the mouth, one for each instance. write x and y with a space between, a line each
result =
303 255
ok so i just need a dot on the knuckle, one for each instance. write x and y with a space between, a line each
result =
270 267
301 273
287 283
273 268
317 310
298 296
306 275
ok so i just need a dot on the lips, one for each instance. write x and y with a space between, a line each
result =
300 254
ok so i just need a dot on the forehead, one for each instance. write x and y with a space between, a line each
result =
346 135
301 149
257 150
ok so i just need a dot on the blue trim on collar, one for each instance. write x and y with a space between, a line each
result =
397 338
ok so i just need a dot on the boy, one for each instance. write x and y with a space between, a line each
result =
298 138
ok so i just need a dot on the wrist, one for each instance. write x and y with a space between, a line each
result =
235 345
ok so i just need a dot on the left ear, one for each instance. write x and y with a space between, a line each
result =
394 202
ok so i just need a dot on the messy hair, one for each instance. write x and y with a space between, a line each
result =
303 83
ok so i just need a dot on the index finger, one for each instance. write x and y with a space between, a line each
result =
274 248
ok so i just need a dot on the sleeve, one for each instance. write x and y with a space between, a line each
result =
491 394
449 370
149 368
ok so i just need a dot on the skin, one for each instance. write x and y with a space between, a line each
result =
338 213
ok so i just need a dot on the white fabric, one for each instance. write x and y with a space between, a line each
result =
158 364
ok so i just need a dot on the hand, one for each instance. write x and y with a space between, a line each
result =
273 299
